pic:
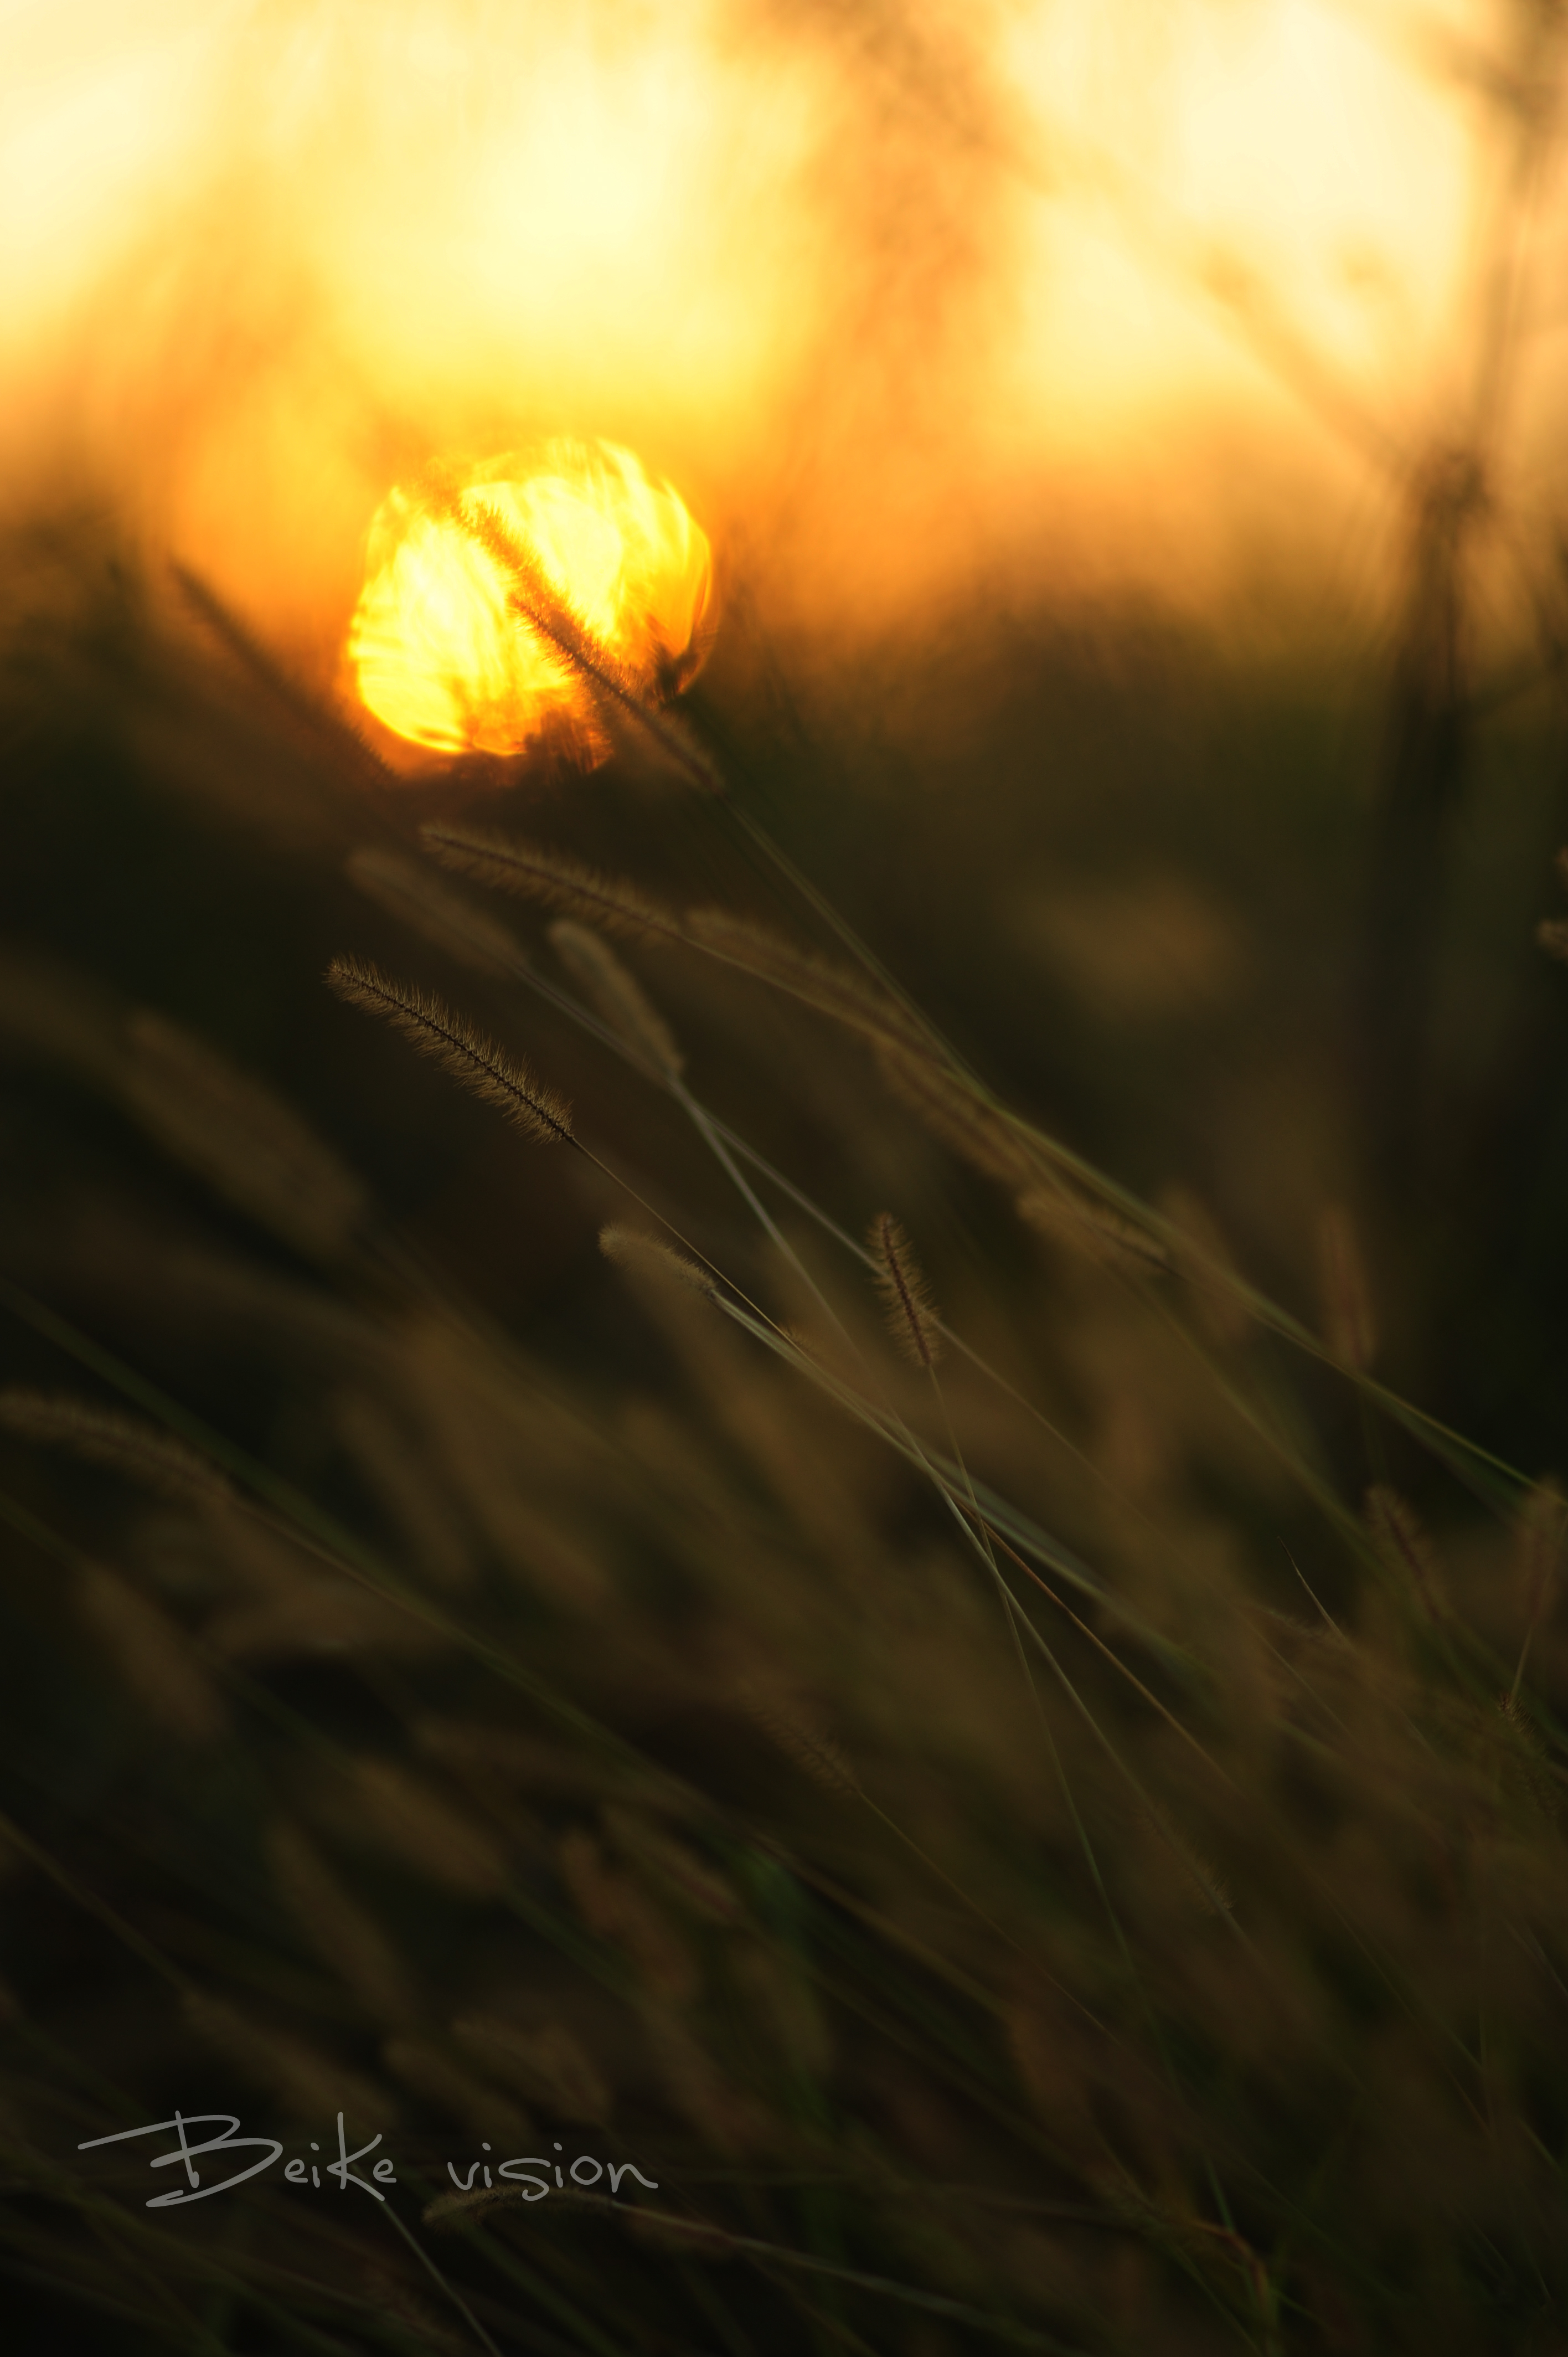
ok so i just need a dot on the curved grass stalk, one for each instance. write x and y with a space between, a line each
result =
1452 1447
449 2288
1429 1429
1121 1669
1018 1621
721 1141
726 1145
728 1148
978 1538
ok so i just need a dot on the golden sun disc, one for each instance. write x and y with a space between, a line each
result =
441 655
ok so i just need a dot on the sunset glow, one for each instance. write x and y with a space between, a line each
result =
1085 289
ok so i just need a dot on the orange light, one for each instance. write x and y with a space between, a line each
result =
439 651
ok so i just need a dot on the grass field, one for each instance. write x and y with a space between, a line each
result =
1011 1767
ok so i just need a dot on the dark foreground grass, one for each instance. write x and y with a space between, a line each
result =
1037 1828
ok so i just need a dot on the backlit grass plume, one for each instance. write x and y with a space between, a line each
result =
954 1112
141 1451
833 989
1073 1218
616 688
617 995
556 880
449 1041
1405 1546
906 1295
238 1136
629 1250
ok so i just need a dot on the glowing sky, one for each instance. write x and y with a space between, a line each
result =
1104 287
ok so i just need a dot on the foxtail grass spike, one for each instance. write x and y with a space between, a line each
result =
448 1040
547 609
632 1251
332 728
556 880
951 1111
548 2065
1093 1228
123 1444
809 1747
152 1655
1402 1541
617 994
906 1295
834 990
230 1128
540 605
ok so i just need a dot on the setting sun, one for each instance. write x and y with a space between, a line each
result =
442 653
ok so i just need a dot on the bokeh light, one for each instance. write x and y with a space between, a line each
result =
441 653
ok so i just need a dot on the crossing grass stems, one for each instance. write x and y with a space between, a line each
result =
894 1806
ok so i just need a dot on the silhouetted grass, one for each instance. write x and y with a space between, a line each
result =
1060 1853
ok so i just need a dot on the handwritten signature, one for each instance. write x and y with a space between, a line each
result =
186 2154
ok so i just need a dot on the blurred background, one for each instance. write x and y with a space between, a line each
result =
1061 301
1130 438
1129 441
